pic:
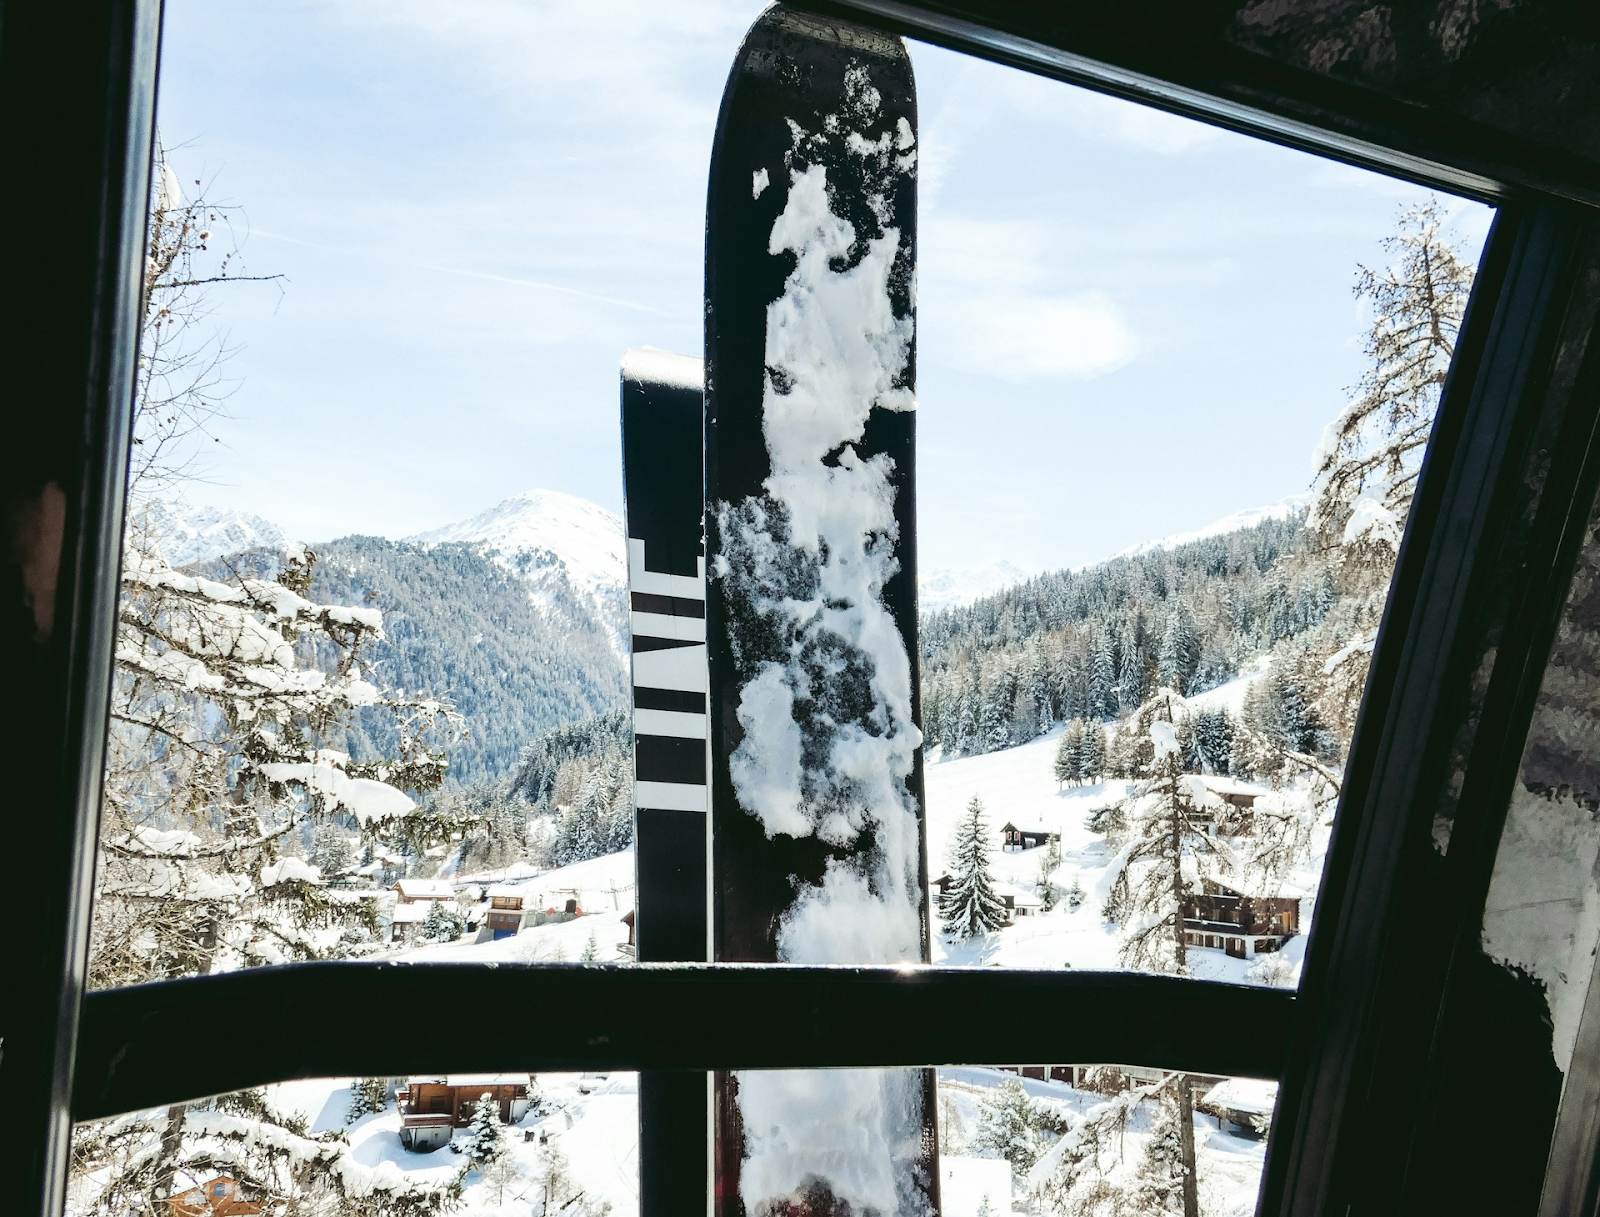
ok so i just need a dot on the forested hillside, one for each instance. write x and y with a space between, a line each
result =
1094 643
458 625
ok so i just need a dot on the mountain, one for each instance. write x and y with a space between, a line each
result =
554 543
953 587
185 534
1248 518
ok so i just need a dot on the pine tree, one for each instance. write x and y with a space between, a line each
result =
1165 1180
591 950
1102 696
970 907
367 1095
1069 754
1049 863
442 924
1092 760
485 1142
1008 1126
1180 649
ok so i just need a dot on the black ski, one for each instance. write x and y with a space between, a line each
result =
662 481
816 767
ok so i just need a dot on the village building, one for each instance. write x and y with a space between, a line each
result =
414 891
432 1108
405 920
1241 1106
1025 836
1223 919
217 1197
629 948
1239 801
505 911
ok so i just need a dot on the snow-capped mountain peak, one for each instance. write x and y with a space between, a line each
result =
952 588
587 538
1248 518
183 534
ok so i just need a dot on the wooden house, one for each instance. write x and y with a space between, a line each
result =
1238 801
1220 918
505 911
405 920
631 947
217 1197
416 891
431 1109
1241 1106
1013 836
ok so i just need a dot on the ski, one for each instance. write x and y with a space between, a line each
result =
662 481
816 766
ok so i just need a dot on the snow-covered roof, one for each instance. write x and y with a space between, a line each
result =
425 889
1223 785
507 889
486 1079
408 914
1247 1095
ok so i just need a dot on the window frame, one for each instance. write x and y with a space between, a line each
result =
1508 479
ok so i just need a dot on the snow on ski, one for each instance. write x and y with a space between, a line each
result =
816 779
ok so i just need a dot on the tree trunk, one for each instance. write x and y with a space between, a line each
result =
1191 1185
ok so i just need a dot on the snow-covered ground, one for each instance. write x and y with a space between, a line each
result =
1018 784
592 1120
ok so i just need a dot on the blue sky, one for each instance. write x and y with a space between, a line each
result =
1130 324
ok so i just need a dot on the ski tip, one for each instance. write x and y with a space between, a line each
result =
778 20
652 365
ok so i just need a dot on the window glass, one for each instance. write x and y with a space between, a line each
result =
492 1143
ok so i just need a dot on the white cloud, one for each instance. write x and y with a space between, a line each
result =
985 307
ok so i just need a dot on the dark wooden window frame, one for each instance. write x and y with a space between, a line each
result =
1508 481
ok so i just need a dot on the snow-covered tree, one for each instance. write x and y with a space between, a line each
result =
367 1095
229 703
1163 845
970 908
1092 760
1165 1180
485 1141
1069 753
1008 1126
1049 863
591 950
442 924
1365 469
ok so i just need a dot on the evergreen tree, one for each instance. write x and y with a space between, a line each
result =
1049 863
591 950
1165 1180
1180 649
1069 754
1092 760
970 908
1102 678
485 1142
1008 1126
367 1095
442 924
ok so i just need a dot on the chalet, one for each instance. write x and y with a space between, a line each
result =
431 1109
1239 801
629 948
505 911
1014 837
1220 918
217 1197
1241 1106
404 920
415 891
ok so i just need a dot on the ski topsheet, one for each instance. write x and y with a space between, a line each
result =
816 775
663 486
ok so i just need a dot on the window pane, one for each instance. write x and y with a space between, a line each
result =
344 1146
1167 455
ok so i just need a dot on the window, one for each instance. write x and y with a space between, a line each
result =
1508 478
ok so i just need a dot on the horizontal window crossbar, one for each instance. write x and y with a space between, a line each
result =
151 1045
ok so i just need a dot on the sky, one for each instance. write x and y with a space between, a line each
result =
1130 324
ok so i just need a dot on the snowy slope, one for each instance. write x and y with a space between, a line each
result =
185 534
557 542
954 587
1019 784
1229 523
